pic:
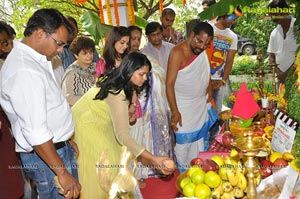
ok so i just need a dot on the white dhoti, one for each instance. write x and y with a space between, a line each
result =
197 115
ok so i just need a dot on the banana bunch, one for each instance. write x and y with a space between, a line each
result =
237 178
288 156
267 142
269 129
235 184
217 192
234 181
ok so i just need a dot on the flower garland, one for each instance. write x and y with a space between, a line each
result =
109 17
130 11
297 71
80 1
116 11
161 6
101 15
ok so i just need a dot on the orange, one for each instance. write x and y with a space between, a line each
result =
212 179
192 170
185 181
198 177
188 189
202 191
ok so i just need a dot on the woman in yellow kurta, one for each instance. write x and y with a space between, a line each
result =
102 124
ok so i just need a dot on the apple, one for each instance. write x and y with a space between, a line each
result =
280 163
265 168
265 172
197 161
210 165
258 132
266 163
227 139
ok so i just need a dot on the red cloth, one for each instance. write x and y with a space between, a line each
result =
11 180
161 188
245 106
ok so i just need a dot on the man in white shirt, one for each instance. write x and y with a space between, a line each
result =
282 44
156 47
223 52
39 114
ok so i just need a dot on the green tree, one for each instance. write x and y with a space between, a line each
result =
256 26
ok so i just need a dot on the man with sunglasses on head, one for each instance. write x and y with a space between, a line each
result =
39 114
222 55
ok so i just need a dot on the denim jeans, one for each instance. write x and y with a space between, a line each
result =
43 176
227 92
218 97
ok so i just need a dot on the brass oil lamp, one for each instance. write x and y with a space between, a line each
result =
275 81
251 148
260 73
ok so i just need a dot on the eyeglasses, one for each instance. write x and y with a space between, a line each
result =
58 43
156 34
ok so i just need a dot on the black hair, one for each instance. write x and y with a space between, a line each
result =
82 43
73 20
208 2
152 27
11 31
110 54
8 29
47 19
168 11
3 27
132 28
114 81
203 26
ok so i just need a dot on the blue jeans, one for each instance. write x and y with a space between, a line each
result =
218 97
222 93
43 176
